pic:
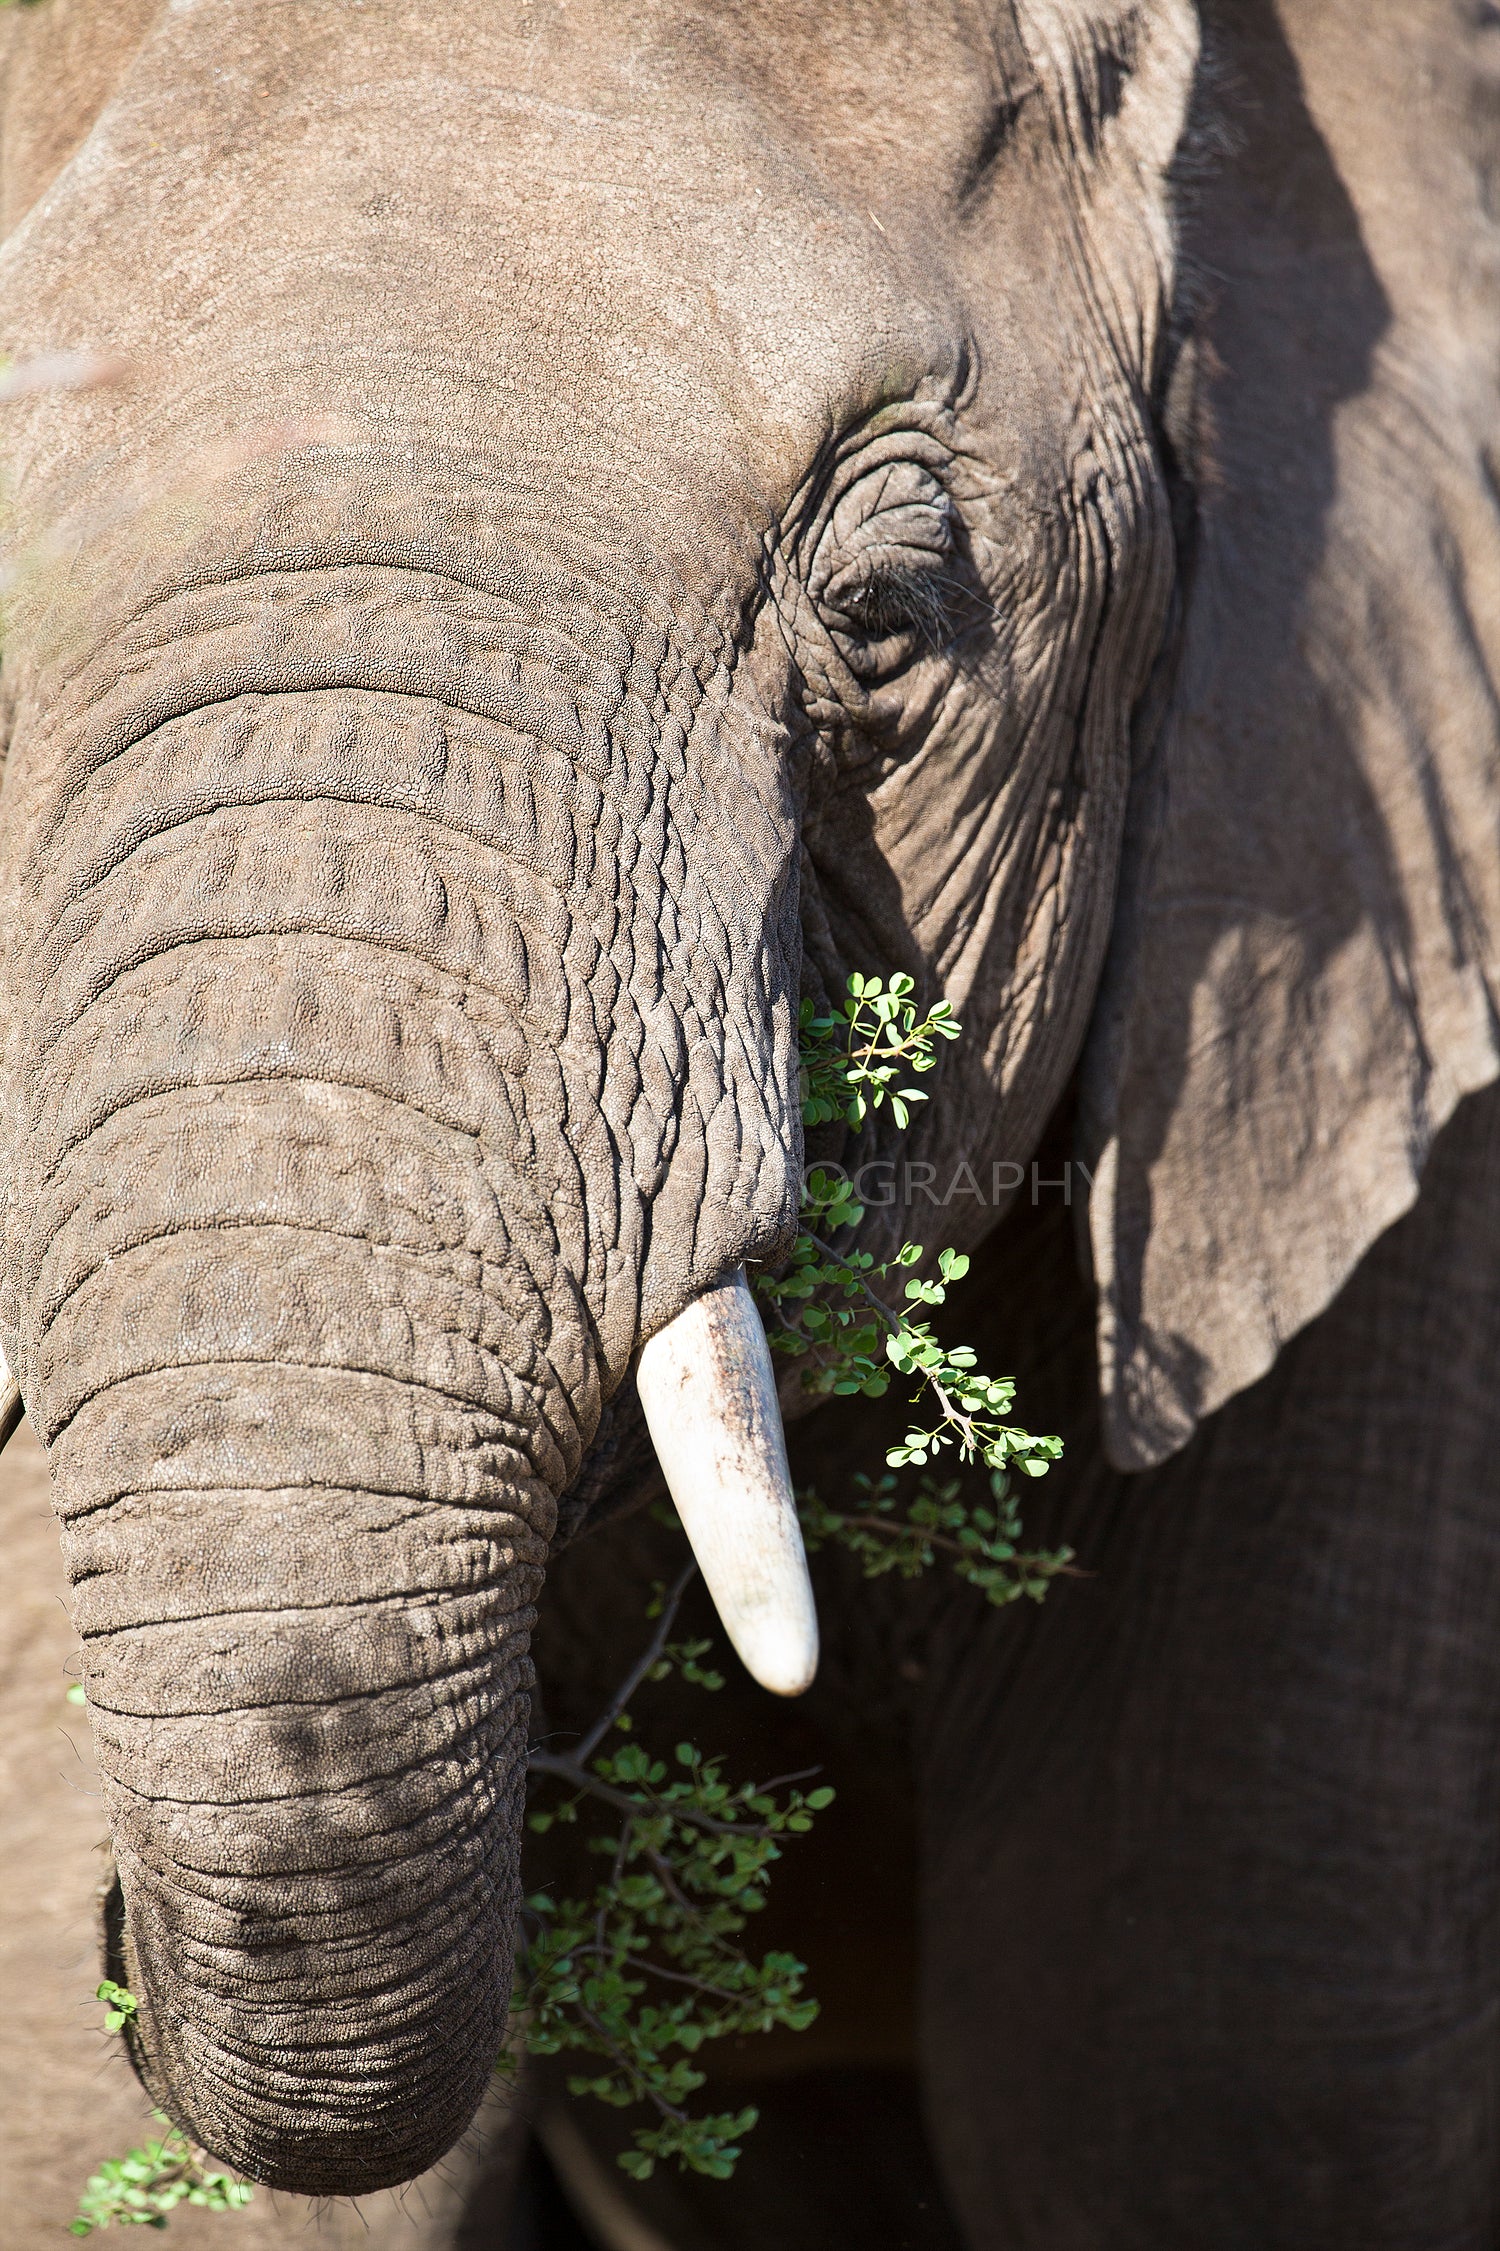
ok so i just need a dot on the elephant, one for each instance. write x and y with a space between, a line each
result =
540 538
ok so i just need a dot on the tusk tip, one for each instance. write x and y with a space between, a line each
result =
785 1666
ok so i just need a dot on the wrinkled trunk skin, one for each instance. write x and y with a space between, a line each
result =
388 1053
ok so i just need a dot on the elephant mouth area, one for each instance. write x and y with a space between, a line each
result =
619 1472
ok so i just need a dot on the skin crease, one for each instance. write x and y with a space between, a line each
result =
445 734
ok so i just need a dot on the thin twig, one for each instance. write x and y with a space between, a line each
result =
667 1877
780 1781
567 1770
585 1749
627 2068
590 1784
891 1528
622 1856
886 1315
646 1966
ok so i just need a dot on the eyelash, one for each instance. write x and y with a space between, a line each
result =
895 601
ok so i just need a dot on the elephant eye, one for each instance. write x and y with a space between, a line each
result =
892 601
883 572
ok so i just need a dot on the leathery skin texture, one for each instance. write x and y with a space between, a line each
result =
602 521
567 565
556 530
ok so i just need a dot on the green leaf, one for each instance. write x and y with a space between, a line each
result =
143 2187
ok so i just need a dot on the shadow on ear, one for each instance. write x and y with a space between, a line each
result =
1307 955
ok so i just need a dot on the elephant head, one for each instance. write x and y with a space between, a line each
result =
615 515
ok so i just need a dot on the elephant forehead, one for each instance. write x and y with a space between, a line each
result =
645 260
582 224
652 232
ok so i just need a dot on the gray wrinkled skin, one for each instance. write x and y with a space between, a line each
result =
616 515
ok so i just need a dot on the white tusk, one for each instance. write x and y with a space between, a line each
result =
709 1397
11 1408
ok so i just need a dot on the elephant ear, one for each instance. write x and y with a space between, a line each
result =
1306 964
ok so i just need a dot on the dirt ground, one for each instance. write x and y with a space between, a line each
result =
67 2097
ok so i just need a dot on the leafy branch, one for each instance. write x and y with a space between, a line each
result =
649 1968
982 1544
849 1059
141 2188
828 1303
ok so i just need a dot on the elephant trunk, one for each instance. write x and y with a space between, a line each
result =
310 1709
306 1461
391 1062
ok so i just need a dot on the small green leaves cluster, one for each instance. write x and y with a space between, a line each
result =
966 1408
120 2004
891 1531
649 1968
833 1308
821 1306
140 2189
851 1059
832 1314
